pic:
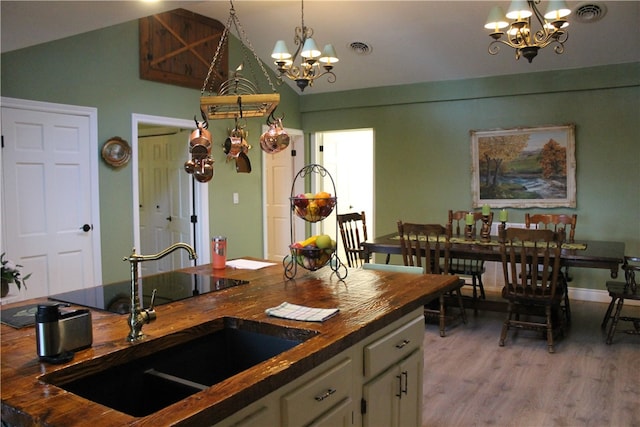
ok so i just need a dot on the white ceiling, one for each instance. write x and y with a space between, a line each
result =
411 41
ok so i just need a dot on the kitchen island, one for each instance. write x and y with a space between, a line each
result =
375 309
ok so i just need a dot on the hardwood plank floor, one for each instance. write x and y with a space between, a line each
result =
470 381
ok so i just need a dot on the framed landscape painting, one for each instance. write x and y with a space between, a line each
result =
524 167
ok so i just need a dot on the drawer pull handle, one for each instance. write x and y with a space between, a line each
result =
403 344
405 389
326 394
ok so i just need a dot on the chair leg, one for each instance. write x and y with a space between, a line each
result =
607 315
567 307
549 329
506 324
475 294
463 313
481 285
442 315
614 323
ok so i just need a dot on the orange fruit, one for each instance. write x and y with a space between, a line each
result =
322 195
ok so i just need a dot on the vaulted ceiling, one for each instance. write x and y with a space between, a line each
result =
409 41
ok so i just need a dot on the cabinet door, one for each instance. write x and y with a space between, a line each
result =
394 398
381 397
410 413
339 416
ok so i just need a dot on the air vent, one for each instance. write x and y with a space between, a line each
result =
360 48
590 12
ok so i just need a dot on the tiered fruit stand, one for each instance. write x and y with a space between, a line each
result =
313 209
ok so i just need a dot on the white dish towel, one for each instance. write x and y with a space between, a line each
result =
300 312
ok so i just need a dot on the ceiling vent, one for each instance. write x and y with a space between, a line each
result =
590 12
360 48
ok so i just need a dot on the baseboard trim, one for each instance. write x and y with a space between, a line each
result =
595 295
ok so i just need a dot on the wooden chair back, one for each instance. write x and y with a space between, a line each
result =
531 264
353 231
425 245
457 222
631 266
555 222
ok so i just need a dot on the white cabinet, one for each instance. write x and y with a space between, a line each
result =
382 374
393 366
394 398
319 396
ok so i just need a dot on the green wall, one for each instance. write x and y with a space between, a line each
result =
422 144
422 154
100 69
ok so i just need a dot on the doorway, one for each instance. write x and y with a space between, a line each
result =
348 156
279 171
50 204
168 205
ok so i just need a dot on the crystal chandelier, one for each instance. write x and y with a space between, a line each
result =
521 35
310 56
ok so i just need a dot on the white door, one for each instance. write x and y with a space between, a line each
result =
186 197
50 198
165 196
348 157
279 172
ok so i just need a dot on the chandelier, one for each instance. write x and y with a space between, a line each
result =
521 34
311 58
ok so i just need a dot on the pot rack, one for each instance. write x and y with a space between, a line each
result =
237 97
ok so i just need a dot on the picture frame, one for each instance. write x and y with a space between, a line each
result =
524 167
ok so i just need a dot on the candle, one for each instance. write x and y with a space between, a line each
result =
503 215
469 219
486 210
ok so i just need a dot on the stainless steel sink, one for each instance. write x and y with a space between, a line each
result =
149 376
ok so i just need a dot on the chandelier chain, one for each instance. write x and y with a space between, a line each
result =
244 41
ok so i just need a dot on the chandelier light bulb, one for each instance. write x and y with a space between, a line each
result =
496 20
280 51
309 49
329 55
557 9
518 10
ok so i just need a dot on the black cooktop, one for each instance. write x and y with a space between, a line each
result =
171 286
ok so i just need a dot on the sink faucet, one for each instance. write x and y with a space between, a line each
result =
140 316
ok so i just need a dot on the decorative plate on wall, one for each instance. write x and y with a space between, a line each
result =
116 152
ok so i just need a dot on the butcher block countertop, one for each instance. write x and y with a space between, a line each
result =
368 301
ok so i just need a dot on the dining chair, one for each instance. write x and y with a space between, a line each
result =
467 266
556 222
619 291
559 224
530 263
353 230
427 246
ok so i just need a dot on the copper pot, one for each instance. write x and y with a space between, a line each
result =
275 139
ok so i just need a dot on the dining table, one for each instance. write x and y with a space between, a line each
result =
600 254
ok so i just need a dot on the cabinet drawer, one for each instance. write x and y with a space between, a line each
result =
382 353
319 395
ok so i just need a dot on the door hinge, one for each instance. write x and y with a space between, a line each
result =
321 148
363 406
2 141
194 219
293 153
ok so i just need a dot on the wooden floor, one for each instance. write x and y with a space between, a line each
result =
470 381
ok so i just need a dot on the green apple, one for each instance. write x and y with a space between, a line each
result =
323 241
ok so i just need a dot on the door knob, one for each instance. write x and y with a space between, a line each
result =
168 218
86 228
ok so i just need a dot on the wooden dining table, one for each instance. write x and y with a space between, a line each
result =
585 253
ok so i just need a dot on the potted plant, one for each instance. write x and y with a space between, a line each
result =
11 274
